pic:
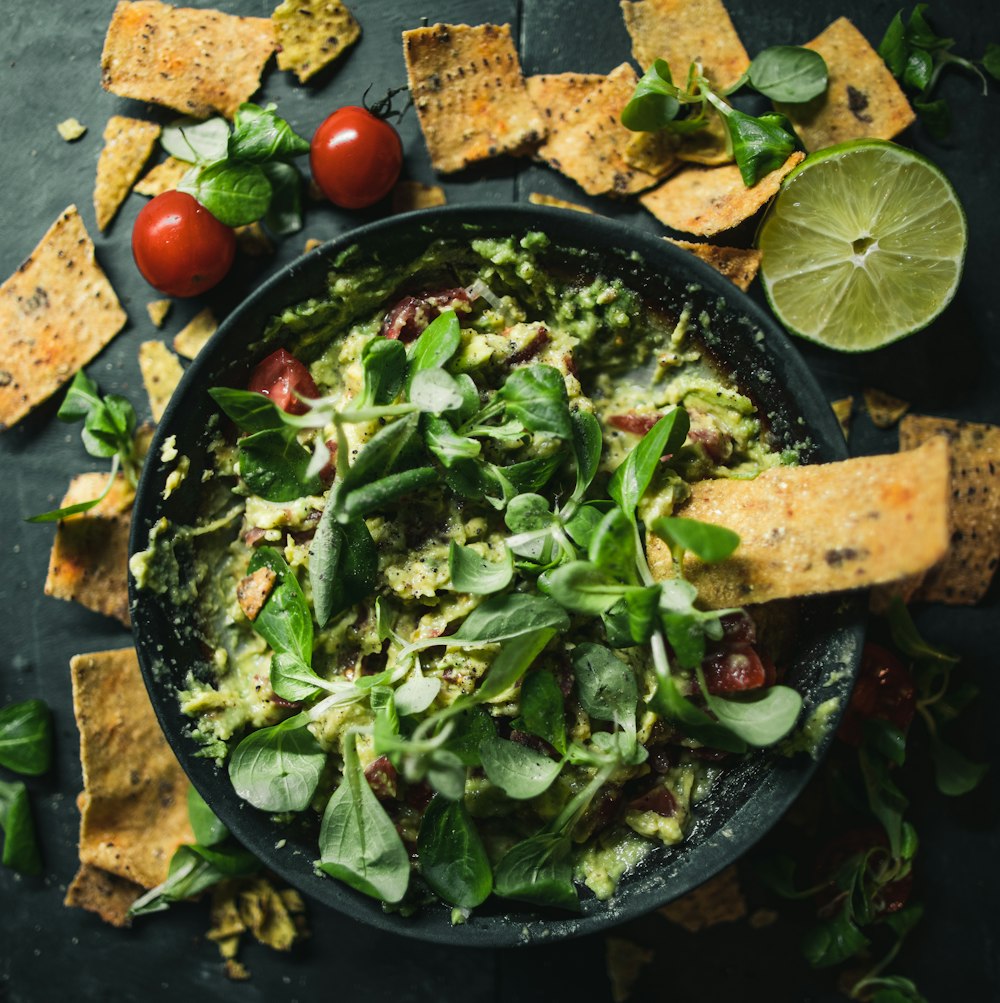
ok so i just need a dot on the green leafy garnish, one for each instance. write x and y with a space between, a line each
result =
26 737
20 846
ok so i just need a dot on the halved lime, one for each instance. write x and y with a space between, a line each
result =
864 244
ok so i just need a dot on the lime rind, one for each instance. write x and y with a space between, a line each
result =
863 245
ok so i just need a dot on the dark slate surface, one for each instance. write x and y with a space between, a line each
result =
50 57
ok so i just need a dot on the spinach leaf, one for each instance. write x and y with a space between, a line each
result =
606 686
249 411
612 546
435 391
472 573
375 495
437 343
383 364
284 214
278 768
708 542
343 564
259 135
416 694
536 397
582 587
789 73
504 617
453 860
358 842
513 660
760 145
530 475
538 871
208 830
275 465
26 737
629 482
470 729
893 48
833 941
284 620
20 847
234 192
520 772
543 710
954 774
196 141
760 720
583 523
587 446
654 102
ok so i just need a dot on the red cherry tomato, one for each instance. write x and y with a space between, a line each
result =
884 690
355 157
179 246
281 376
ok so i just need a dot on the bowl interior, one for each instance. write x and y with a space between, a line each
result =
746 344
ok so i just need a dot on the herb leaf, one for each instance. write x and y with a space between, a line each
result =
196 141
762 720
633 476
582 587
383 363
536 397
520 772
453 860
259 135
542 710
538 871
248 410
284 214
514 659
606 686
343 564
26 737
437 343
20 847
472 573
275 465
504 617
235 193
789 73
208 830
587 446
358 842
708 542
284 621
654 102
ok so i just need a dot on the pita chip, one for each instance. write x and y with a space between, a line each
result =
683 32
884 409
842 411
197 61
557 94
162 178
410 195
964 576
538 198
192 338
252 241
707 200
590 143
738 264
820 528
862 98
312 34
89 559
57 311
134 805
161 372
128 143
469 93
103 893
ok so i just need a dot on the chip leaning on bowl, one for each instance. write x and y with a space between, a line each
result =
424 585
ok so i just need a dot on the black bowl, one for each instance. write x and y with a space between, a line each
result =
746 342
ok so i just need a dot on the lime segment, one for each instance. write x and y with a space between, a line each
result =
863 245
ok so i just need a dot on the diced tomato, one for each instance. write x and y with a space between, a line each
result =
632 421
280 377
382 778
734 668
408 318
884 690
659 799
739 628
529 350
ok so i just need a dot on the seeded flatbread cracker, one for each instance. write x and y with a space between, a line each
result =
252 241
134 806
707 200
158 310
57 311
557 94
683 32
717 901
190 340
197 61
884 409
410 195
164 177
312 34
842 410
71 129
738 264
964 576
862 97
103 893
161 372
821 528
89 559
128 143
625 961
590 143
469 93
538 198
708 146
651 152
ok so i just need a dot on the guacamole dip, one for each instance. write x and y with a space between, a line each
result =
421 576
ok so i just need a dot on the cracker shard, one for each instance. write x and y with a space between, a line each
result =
89 559
469 93
198 61
738 264
862 98
253 590
128 143
683 32
193 337
103 893
589 145
410 195
312 34
821 528
134 805
161 372
964 576
162 178
717 901
707 200
57 311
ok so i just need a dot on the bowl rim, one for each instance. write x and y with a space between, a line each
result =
785 778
